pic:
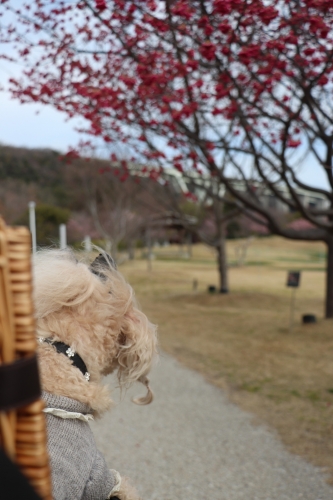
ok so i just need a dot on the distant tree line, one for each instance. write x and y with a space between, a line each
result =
102 199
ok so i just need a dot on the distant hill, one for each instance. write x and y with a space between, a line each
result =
30 174
30 165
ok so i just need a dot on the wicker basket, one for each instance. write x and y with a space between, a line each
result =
22 424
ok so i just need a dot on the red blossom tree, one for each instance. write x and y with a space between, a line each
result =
233 90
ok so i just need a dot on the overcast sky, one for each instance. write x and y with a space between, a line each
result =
21 126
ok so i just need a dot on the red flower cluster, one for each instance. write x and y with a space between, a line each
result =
100 4
161 76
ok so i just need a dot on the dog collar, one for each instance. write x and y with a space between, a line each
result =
65 349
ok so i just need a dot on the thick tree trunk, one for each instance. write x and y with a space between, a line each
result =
329 279
222 265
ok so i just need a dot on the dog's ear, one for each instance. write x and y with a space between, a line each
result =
104 261
136 351
148 398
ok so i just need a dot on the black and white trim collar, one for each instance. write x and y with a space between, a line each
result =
65 349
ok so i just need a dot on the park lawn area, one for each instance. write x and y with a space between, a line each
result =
241 342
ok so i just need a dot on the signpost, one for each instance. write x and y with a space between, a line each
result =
293 281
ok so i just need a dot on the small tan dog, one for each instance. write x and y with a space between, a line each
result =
88 325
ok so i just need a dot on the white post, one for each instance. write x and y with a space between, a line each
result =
32 224
63 236
87 243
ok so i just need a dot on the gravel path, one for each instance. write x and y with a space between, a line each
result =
192 444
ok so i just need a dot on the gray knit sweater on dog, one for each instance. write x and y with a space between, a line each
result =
79 471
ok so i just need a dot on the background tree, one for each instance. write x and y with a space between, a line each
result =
48 220
200 212
239 90
110 199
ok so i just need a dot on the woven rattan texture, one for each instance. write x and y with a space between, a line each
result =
22 432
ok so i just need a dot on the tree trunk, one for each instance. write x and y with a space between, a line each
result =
189 244
222 265
111 247
108 245
131 251
329 279
180 245
149 249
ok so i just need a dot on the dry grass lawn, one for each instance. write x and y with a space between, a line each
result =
241 342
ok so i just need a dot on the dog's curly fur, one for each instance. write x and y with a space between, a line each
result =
100 320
